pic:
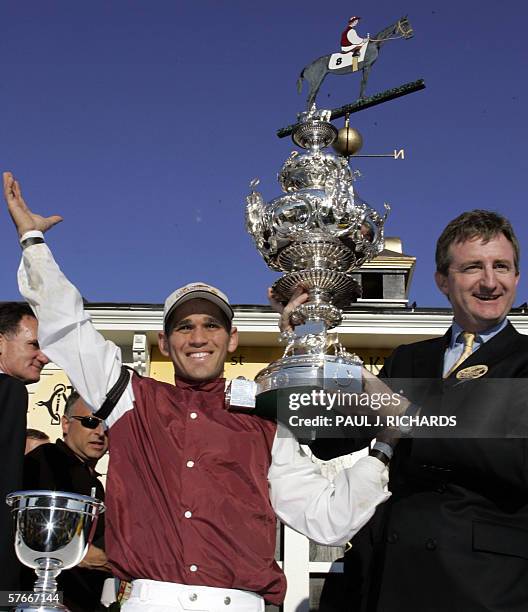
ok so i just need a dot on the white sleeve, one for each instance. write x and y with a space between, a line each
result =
326 512
66 333
354 38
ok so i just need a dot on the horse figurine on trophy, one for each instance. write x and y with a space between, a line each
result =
337 63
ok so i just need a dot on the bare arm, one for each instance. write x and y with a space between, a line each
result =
95 559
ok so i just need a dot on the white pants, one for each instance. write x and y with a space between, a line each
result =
154 596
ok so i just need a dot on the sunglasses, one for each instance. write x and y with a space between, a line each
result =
90 422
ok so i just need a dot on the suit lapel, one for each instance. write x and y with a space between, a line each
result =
493 351
428 360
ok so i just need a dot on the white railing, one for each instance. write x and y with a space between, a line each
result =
298 568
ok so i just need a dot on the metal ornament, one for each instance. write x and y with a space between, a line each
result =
348 142
318 232
53 531
315 72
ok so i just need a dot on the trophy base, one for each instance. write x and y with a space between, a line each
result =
306 376
294 374
328 372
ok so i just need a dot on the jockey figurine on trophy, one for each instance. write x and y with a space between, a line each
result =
350 41
356 54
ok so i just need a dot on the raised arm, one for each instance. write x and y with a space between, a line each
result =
327 512
66 333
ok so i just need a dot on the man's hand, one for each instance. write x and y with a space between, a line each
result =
95 559
375 399
372 385
298 297
23 218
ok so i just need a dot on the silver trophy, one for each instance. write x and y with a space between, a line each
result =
53 531
318 233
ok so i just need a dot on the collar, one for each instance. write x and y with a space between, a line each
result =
480 338
62 446
216 384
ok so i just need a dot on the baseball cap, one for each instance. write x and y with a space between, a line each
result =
194 291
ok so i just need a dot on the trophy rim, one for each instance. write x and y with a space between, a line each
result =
12 498
307 360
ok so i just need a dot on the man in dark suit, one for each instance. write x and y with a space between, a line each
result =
69 465
21 361
454 535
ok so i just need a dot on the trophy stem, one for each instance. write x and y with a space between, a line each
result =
47 575
45 588
318 296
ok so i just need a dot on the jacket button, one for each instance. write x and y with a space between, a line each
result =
227 601
193 596
431 544
393 537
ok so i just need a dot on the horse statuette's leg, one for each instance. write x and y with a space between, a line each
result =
314 75
311 98
364 78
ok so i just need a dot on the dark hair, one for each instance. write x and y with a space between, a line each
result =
11 313
36 434
70 402
483 224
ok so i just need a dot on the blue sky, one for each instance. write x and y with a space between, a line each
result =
142 123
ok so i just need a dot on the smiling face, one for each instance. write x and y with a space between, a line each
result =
198 341
88 444
20 355
481 281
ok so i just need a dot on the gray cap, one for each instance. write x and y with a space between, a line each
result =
194 291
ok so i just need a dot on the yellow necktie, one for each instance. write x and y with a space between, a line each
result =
469 341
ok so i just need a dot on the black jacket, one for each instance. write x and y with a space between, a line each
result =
13 409
454 535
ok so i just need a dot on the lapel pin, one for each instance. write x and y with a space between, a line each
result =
475 371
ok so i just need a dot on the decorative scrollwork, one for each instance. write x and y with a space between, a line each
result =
319 230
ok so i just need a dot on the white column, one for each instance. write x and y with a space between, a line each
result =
296 557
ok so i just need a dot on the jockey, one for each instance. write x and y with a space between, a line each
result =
350 41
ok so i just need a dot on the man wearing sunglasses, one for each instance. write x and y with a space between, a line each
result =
193 488
69 465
